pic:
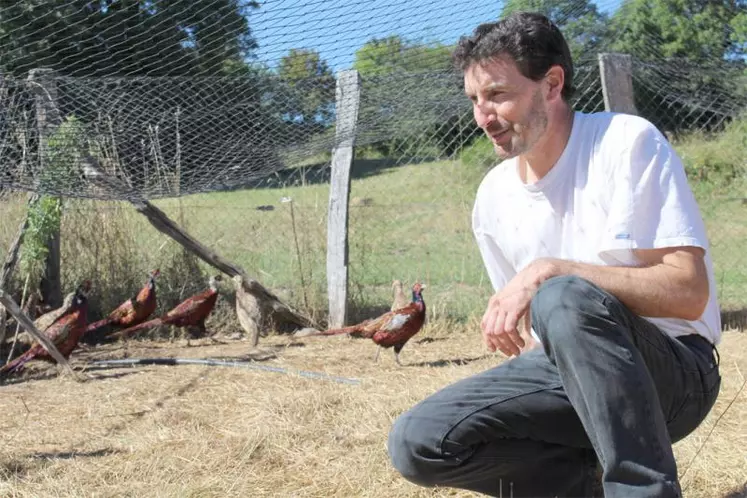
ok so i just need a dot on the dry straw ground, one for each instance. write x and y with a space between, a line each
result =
198 431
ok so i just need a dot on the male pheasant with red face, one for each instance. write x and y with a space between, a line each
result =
390 330
192 312
64 332
133 311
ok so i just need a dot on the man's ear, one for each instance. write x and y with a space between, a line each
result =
555 79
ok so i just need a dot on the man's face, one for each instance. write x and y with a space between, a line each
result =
509 107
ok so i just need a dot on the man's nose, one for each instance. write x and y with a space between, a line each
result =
484 115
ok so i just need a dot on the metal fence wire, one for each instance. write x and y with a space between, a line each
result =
219 111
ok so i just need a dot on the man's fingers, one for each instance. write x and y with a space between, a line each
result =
499 329
507 346
504 342
511 341
510 323
513 333
490 311
500 320
489 321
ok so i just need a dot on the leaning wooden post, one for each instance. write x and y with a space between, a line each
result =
616 71
347 102
269 303
48 119
26 322
10 262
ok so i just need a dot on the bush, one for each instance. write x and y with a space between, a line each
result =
479 155
716 158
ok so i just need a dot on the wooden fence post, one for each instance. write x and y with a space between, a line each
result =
47 120
347 103
616 71
26 322
10 263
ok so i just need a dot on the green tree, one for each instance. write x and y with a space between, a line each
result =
179 126
411 104
695 30
309 89
387 55
583 26
124 37
689 55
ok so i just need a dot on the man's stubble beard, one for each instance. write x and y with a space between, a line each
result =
536 124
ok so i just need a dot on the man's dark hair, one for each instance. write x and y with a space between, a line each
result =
529 38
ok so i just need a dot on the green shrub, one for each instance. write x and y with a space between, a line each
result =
719 158
479 154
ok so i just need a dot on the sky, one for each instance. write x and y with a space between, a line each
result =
337 28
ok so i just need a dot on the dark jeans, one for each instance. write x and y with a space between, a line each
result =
606 386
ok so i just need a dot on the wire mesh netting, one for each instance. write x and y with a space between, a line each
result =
224 112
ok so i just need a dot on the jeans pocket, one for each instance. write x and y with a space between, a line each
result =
675 414
711 380
694 409
686 419
711 390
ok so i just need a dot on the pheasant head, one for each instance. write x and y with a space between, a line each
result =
214 279
152 277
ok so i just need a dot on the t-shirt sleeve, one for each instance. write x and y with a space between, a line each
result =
500 271
497 266
651 204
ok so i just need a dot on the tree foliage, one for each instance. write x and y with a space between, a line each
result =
689 57
583 26
310 89
124 37
696 30
381 56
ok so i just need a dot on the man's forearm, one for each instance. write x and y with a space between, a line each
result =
653 291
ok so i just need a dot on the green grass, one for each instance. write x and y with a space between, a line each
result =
717 169
408 223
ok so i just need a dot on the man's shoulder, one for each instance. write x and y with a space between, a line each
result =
494 192
497 178
617 129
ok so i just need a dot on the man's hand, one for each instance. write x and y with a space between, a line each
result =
670 282
500 323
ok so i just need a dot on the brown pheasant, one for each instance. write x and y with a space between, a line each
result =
192 312
400 300
248 311
43 322
133 311
47 319
390 330
65 332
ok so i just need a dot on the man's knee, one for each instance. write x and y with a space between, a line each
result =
562 304
410 453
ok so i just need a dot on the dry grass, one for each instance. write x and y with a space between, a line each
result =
191 431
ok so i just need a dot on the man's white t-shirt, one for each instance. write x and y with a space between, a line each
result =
617 186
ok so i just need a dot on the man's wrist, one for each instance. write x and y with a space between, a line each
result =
550 267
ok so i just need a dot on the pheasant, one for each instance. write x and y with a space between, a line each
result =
391 330
133 311
191 312
247 310
65 332
400 300
43 322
